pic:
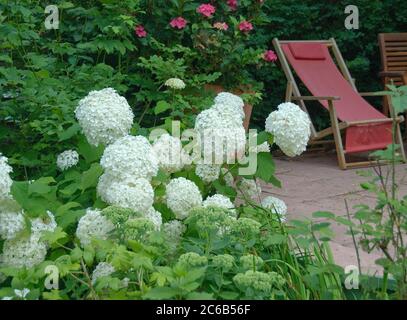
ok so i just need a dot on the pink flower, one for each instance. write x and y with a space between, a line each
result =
140 31
206 10
178 23
245 26
232 4
221 26
270 56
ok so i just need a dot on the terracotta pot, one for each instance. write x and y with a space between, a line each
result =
248 108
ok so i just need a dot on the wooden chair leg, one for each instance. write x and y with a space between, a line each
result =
337 136
400 142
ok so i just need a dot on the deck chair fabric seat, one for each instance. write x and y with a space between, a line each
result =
313 64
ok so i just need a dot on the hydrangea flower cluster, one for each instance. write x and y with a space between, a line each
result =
23 252
220 201
173 231
192 260
261 283
276 206
182 195
221 130
103 269
175 83
291 128
104 116
246 228
223 261
67 159
5 180
212 219
93 225
208 172
155 217
138 229
130 156
250 188
130 163
131 193
228 177
170 154
251 262
118 215
30 250
11 224
20 250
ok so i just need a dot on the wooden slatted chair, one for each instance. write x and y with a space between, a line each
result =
393 49
364 127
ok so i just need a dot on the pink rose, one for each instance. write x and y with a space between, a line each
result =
270 56
178 23
232 4
245 26
140 31
206 9
221 26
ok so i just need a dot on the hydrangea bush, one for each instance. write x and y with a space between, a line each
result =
125 206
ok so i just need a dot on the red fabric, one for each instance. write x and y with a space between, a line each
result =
322 78
304 51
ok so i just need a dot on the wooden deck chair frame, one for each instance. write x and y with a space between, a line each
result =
317 137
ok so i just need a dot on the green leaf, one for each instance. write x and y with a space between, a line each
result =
90 177
200 296
265 166
161 293
69 133
41 186
275 239
89 255
53 237
161 107
323 214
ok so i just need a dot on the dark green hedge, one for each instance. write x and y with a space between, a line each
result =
323 19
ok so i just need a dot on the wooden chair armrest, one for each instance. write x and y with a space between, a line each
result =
391 74
312 98
374 94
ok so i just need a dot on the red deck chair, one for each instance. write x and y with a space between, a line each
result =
364 127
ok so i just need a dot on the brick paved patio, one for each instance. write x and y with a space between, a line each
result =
313 182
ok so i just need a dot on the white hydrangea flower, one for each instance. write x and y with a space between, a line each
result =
130 156
23 252
39 225
67 159
93 225
250 188
11 223
170 154
5 180
175 83
155 217
221 135
132 193
221 201
208 172
217 117
103 269
291 128
230 99
276 206
174 230
182 195
228 177
104 116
